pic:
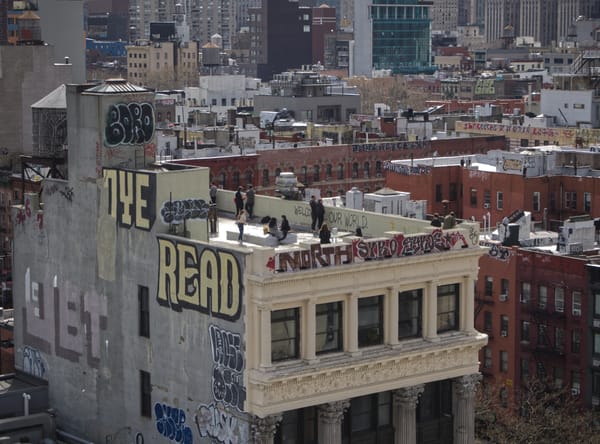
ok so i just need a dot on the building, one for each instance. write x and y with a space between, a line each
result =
163 64
280 37
444 15
161 327
407 52
323 25
499 15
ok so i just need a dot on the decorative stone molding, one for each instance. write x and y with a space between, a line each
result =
408 396
270 391
263 429
333 412
466 385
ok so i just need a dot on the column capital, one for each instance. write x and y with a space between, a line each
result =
466 385
263 429
408 395
333 412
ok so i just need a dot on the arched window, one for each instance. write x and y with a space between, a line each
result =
355 170
236 180
304 173
265 177
249 177
317 173
367 170
328 171
223 180
340 171
378 168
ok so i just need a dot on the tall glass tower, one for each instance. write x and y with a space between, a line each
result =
393 35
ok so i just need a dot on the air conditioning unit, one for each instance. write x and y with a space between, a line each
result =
504 333
486 205
576 312
575 391
503 297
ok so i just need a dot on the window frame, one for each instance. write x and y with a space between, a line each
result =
143 311
145 394
415 322
337 315
291 314
365 338
445 292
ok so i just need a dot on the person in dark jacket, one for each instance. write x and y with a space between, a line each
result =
325 234
239 200
436 221
320 212
313 213
284 227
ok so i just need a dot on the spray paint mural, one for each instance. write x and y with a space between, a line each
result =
228 358
214 421
129 124
33 362
186 209
170 423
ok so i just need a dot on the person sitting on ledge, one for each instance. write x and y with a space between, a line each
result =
325 234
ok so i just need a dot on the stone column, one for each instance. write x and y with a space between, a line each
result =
391 308
264 319
263 429
351 330
467 305
330 422
430 312
405 413
464 416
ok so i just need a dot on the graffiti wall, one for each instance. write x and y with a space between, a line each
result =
129 124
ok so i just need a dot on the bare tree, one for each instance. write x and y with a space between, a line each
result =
539 413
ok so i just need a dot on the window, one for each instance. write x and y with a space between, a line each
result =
438 192
576 303
489 285
525 331
542 297
500 200
487 321
504 287
587 202
354 170
536 201
487 198
329 327
473 197
265 177
542 336
447 307
410 314
285 334
524 369
452 193
328 172
145 394
316 173
571 200
144 311
596 343
487 357
503 361
370 412
378 171
366 170
559 299
575 382
370 321
504 325
597 305
304 172
525 292
277 172
575 341
596 384
340 171
236 179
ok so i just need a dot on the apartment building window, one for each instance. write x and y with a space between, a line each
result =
524 367
536 201
340 172
504 288
487 198
503 361
378 171
559 299
576 341
452 193
500 200
596 384
525 331
559 376
410 313
489 285
354 170
438 192
447 307
487 321
504 325
329 327
236 179
473 197
143 311
328 171
304 172
542 335
570 200
369 413
587 202
370 321
559 339
145 394
367 170
525 292
316 173
265 177
285 334
575 382
576 303
487 357
597 305
542 297
596 343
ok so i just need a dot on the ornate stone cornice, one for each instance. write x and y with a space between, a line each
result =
466 385
408 395
270 392
333 412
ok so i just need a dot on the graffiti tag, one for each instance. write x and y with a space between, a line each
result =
228 358
497 251
180 210
170 423
129 124
406 170
33 362
215 422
